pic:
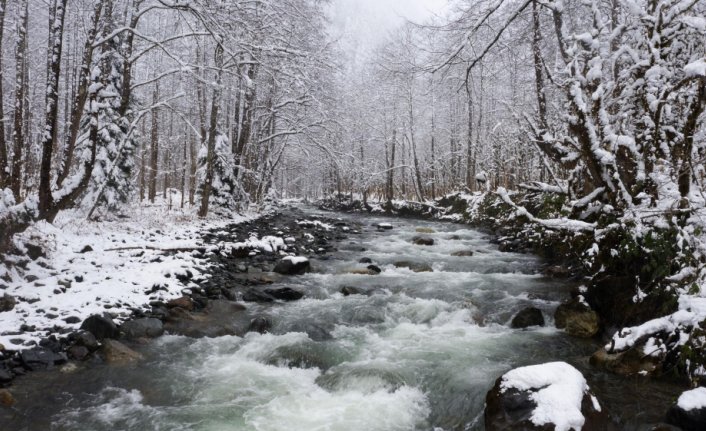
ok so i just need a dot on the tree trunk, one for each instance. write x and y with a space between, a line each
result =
77 109
20 89
215 102
154 148
56 34
4 174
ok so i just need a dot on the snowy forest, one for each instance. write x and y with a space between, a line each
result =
573 131
232 101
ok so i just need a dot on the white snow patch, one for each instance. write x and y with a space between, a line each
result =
693 399
559 387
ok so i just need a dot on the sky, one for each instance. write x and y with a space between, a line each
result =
362 24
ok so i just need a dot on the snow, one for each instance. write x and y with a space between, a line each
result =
696 68
118 275
296 260
558 389
692 400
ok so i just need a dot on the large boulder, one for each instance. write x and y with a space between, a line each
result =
423 240
530 316
41 358
293 265
116 353
425 230
553 396
689 413
7 302
577 318
285 294
142 328
462 253
414 266
101 326
260 324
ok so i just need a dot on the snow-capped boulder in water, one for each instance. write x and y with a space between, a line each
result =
293 265
552 396
689 413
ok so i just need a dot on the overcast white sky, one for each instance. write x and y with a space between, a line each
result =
362 24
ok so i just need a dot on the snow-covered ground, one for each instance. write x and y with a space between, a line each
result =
124 268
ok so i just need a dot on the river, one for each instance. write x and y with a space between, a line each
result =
415 351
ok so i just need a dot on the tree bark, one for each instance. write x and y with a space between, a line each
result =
20 90
56 36
4 174
215 102
154 148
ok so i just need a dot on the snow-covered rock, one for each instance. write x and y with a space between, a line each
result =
293 265
689 413
547 396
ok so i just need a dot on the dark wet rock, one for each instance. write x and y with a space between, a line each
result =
6 375
220 318
374 268
78 353
117 353
530 316
577 319
350 290
693 419
462 253
628 363
260 324
254 295
86 249
558 271
289 266
384 226
414 266
285 294
41 358
423 240
7 302
6 398
511 409
184 302
101 326
142 328
86 339
223 307
365 260
455 238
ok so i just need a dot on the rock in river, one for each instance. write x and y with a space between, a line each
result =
40 358
142 328
414 266
423 240
689 413
530 316
543 397
285 294
293 265
577 318
116 353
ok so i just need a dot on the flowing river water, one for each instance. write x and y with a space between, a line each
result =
416 351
